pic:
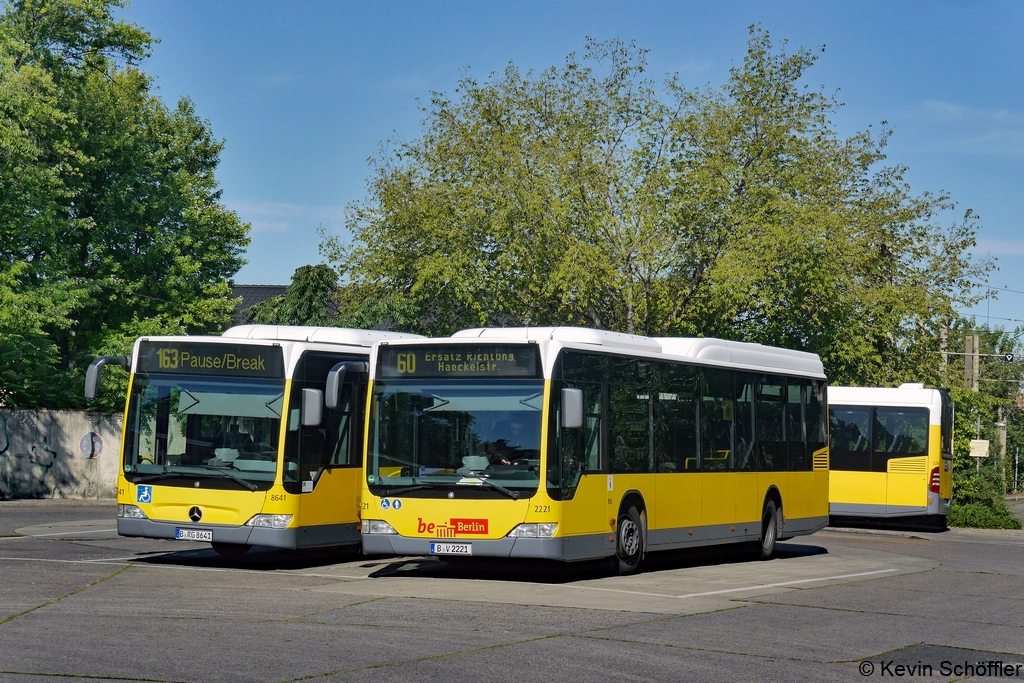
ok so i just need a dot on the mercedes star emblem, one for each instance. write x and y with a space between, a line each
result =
195 514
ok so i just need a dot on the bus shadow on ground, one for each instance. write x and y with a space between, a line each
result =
925 525
547 571
258 558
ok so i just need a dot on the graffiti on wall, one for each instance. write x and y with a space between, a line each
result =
58 454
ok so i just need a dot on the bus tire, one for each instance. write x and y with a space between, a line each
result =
769 530
629 541
230 549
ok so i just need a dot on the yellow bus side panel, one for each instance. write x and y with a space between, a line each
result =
865 488
718 498
820 495
799 500
780 480
679 501
334 499
749 497
587 512
908 481
645 485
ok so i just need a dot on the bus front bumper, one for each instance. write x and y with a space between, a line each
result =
296 537
565 549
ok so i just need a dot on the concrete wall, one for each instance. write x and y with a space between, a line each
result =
59 454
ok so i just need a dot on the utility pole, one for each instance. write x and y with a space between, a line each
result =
943 335
1016 464
1001 436
972 362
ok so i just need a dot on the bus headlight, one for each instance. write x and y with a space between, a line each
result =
131 512
376 526
270 521
542 530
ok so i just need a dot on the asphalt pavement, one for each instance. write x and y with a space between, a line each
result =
79 603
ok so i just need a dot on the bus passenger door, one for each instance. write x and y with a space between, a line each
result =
329 471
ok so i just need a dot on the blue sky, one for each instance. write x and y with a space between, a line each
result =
304 93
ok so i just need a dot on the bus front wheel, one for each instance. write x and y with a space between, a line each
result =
629 544
769 529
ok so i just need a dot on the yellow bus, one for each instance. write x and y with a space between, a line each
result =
892 452
574 444
251 438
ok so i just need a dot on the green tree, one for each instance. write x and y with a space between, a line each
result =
584 195
308 300
106 193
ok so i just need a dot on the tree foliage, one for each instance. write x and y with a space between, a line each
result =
587 195
110 214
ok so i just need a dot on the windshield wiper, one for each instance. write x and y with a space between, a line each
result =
414 487
185 475
514 495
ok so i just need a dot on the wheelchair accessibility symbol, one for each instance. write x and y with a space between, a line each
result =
144 494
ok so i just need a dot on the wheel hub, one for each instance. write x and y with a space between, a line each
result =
629 538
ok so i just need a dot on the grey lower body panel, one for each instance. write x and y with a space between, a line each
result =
802 526
565 549
693 537
301 537
939 507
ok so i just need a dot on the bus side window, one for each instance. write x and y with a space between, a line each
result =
629 417
770 424
578 450
745 452
716 418
675 418
850 432
795 422
817 417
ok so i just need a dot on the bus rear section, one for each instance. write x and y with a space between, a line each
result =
238 440
574 444
891 452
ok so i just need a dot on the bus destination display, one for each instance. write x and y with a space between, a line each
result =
458 361
196 358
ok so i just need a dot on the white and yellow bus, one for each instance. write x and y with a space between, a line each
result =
251 438
574 444
892 452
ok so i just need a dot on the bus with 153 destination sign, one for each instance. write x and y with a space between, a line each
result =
575 444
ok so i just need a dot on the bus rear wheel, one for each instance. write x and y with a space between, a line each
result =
629 543
230 549
769 530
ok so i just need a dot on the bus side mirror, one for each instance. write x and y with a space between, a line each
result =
572 408
312 407
336 377
95 371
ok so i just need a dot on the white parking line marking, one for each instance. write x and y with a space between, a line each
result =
787 583
735 590
62 533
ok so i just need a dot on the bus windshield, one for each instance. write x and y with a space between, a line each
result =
186 426
446 433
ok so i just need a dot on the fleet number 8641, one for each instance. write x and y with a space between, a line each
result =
406 363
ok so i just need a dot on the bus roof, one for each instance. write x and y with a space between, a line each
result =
692 348
911 394
322 335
